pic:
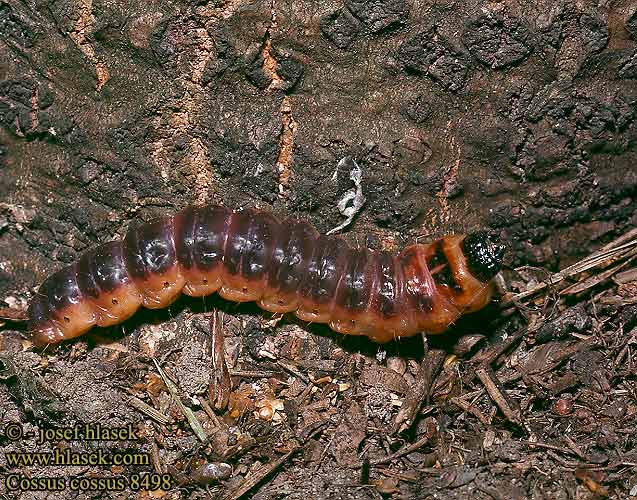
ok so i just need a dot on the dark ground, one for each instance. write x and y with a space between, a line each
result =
519 117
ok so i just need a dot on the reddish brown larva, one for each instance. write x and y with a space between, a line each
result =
286 267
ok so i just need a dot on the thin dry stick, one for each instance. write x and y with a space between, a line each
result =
598 278
187 412
547 446
489 380
429 368
493 353
263 472
149 411
292 370
632 234
609 254
252 373
468 407
406 450
576 449
211 414
220 383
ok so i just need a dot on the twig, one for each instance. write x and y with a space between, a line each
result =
159 469
219 384
576 449
498 394
149 411
606 255
598 278
406 450
547 446
468 407
252 373
420 392
210 412
291 369
263 472
188 413
491 355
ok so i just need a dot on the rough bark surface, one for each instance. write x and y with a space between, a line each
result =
516 116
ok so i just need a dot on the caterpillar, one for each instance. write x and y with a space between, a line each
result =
249 255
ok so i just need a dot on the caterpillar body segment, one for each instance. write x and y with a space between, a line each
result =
287 266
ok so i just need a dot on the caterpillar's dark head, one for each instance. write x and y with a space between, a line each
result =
484 254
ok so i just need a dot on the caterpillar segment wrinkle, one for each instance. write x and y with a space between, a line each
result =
249 255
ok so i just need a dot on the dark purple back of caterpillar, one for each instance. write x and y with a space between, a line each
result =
287 266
